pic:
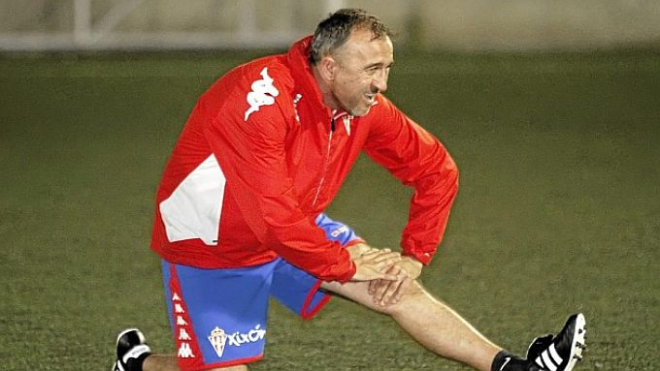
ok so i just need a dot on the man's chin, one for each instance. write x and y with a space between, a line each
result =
362 111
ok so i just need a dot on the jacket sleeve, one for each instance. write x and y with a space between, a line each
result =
251 152
417 159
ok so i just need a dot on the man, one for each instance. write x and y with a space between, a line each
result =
240 210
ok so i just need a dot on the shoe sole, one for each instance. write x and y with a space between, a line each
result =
578 341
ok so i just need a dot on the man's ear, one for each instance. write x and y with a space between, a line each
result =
327 67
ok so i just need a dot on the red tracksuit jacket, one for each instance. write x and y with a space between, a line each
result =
261 156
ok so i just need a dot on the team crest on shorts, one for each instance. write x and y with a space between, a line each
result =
218 339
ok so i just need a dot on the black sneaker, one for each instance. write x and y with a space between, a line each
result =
130 345
538 345
562 352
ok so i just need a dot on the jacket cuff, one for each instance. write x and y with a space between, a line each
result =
424 255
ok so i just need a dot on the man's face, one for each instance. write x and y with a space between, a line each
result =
363 66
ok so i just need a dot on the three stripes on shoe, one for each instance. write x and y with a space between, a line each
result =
549 359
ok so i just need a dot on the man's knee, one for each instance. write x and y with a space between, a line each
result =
231 368
359 293
413 294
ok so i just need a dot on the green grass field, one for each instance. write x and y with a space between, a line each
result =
559 207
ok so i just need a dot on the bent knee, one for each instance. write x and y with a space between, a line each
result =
231 368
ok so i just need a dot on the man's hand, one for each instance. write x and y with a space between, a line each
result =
386 293
359 249
374 264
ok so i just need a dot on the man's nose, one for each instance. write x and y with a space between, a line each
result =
380 81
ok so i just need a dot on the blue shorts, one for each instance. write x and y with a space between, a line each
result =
218 316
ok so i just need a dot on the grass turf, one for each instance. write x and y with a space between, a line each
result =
559 208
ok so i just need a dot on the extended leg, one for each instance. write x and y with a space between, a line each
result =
441 330
430 322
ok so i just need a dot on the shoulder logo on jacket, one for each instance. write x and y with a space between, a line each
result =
263 93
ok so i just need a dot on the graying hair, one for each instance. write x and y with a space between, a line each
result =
333 31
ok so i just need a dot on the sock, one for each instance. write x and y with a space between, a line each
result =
505 361
135 364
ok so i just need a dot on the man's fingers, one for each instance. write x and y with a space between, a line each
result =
381 262
371 250
391 290
402 290
379 275
379 254
388 258
373 285
385 297
367 271
396 295
378 265
379 291
390 277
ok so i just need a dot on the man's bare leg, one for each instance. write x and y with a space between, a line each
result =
159 362
430 322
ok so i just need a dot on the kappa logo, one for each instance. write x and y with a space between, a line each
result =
184 335
185 351
180 321
263 93
220 339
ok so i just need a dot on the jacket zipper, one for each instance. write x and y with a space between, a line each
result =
327 160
